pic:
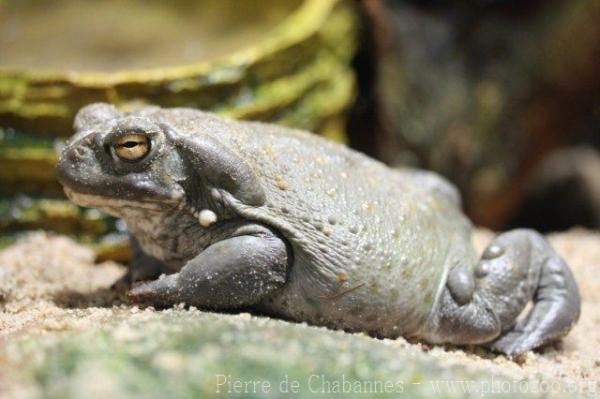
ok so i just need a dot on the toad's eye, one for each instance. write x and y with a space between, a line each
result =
131 147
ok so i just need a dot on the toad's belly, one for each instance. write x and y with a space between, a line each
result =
385 296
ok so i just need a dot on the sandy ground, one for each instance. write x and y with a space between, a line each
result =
49 283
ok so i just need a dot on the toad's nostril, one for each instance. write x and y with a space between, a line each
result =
79 151
74 155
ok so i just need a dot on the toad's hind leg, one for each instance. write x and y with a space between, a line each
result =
516 267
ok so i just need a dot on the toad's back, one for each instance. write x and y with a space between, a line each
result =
371 245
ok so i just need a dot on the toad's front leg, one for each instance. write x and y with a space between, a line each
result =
236 272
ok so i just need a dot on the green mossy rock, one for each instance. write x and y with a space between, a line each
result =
261 60
181 354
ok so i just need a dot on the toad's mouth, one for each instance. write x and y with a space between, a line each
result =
112 205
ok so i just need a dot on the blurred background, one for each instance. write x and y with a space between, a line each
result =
500 96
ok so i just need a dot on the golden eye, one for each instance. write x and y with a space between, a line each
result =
132 146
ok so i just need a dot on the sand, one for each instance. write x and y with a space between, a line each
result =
49 283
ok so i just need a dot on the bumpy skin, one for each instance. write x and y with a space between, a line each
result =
242 214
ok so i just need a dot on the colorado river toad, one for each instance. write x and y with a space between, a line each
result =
230 215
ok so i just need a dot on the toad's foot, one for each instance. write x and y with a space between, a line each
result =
517 267
535 267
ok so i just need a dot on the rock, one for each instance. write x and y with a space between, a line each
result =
179 354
